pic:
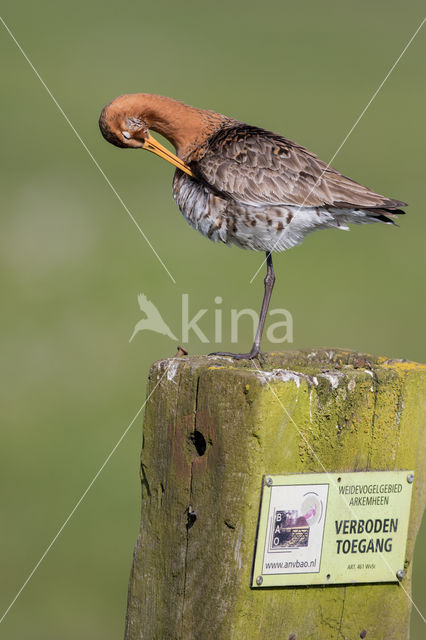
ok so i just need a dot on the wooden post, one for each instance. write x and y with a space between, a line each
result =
213 427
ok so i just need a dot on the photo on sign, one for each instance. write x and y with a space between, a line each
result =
291 527
296 526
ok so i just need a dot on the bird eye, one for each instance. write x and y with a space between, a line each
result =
126 134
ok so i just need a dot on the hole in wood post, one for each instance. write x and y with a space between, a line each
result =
363 634
292 636
192 516
199 442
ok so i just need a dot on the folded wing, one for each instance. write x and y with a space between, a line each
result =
257 167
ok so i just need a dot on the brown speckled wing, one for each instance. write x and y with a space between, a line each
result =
257 167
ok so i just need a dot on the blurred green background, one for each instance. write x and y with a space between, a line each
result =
72 263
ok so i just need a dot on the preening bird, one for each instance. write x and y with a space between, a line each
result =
240 184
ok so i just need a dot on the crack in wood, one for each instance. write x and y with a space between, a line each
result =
339 630
373 421
189 509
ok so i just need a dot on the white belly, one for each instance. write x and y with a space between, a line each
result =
266 228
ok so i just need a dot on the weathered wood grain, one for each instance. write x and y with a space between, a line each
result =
212 428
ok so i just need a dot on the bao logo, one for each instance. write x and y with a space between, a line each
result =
291 527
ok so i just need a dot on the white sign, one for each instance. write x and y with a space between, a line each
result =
332 528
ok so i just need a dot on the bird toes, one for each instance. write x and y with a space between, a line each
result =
254 353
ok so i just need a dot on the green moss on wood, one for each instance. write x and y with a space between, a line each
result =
297 412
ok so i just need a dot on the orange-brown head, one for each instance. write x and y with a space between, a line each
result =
125 122
122 124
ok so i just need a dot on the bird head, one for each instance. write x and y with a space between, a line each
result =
123 130
122 124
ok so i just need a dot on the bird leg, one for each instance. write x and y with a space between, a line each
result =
255 350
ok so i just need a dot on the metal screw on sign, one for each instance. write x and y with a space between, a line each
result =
410 478
268 482
259 580
400 574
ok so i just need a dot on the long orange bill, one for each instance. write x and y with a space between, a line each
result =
151 144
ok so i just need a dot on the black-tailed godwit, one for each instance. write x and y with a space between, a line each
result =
241 184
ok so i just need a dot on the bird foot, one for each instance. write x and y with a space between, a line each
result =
254 353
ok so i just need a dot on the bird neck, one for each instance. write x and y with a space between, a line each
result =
186 127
